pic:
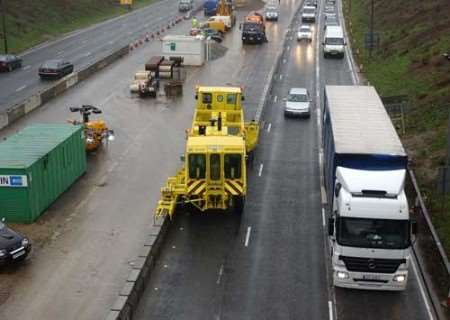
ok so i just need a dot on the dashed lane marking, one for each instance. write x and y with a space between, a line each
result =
261 166
220 274
269 127
247 236
21 88
330 310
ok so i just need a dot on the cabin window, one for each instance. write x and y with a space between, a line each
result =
214 166
232 166
231 98
207 98
197 166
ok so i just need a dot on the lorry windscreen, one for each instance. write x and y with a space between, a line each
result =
373 233
251 27
334 41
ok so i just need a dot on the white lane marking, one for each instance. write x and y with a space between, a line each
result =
247 236
284 61
269 127
281 76
21 88
26 67
323 218
330 310
220 274
422 290
275 99
60 53
261 166
87 54
288 48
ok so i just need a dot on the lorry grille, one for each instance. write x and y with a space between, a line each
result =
371 265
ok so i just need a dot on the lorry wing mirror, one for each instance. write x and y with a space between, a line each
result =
240 26
183 158
323 43
414 227
330 226
337 189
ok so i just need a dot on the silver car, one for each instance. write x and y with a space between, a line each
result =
298 103
304 33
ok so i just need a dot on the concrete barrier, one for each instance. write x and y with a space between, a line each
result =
18 110
129 296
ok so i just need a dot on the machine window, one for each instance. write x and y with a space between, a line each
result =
207 98
232 166
231 98
219 98
214 166
197 166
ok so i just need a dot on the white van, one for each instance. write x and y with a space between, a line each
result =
334 42
271 11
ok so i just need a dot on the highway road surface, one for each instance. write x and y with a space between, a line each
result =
273 263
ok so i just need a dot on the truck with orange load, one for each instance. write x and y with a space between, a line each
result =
254 29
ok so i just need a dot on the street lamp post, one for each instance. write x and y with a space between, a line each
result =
5 40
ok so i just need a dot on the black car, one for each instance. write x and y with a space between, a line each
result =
9 62
214 34
55 69
14 247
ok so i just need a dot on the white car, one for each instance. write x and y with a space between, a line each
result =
271 12
298 103
304 33
309 14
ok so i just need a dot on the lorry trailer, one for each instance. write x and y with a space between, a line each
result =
365 167
214 173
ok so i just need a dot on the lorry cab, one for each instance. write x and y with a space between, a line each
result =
334 42
370 230
210 7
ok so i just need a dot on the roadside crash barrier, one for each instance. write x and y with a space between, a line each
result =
139 275
18 110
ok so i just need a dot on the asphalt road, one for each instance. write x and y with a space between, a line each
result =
273 263
83 47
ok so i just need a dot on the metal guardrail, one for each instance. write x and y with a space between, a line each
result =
430 255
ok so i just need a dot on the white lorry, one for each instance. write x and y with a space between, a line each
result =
365 167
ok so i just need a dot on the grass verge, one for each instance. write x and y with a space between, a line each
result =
30 22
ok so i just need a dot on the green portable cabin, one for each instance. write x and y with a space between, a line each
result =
36 166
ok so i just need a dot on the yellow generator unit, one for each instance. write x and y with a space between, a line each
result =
214 173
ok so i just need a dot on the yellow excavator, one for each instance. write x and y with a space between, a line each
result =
95 131
214 171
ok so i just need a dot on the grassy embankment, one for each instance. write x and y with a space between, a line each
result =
409 61
30 22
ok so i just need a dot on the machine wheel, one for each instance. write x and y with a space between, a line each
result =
238 204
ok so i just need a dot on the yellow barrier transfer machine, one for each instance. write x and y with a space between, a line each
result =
214 173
